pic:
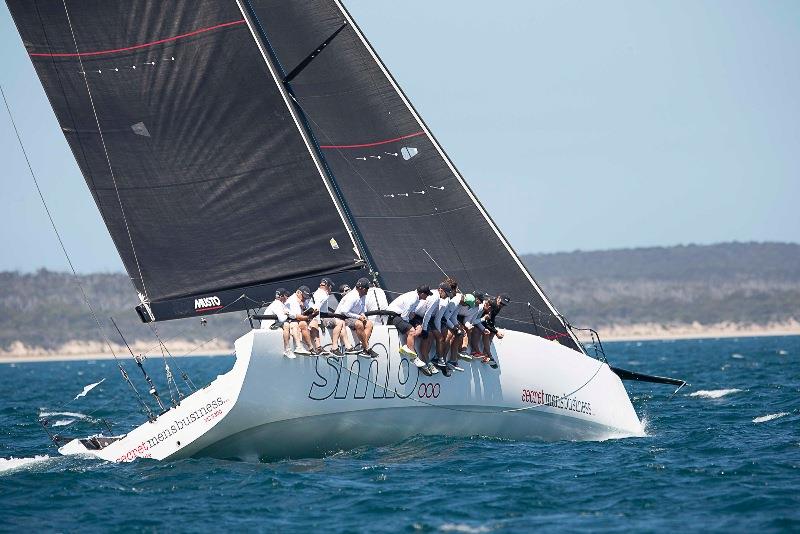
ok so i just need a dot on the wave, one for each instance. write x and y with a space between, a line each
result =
737 356
64 422
65 414
463 527
713 393
770 417
10 464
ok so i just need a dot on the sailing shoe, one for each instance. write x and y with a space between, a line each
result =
371 353
302 351
419 363
453 366
353 350
424 370
289 354
447 372
407 352
432 370
337 352
464 355
440 362
320 352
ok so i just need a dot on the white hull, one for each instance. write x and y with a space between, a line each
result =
269 406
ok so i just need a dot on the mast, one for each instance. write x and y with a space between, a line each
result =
277 71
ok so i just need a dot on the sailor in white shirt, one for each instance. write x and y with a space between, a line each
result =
306 335
352 306
278 309
325 302
432 320
407 322
454 335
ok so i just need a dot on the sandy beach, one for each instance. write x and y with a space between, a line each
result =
18 352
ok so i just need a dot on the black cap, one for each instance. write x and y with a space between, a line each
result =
281 292
479 296
326 282
305 291
446 288
504 298
363 283
425 290
344 288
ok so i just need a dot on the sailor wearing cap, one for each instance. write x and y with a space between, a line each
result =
454 334
325 302
352 306
468 315
432 320
409 324
301 311
494 307
278 309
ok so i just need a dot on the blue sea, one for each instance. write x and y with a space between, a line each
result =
721 455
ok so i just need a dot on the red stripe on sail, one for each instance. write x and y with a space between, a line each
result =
376 143
143 45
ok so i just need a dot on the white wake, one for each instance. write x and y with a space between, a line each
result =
770 417
713 393
10 464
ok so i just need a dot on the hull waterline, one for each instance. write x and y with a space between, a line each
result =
270 407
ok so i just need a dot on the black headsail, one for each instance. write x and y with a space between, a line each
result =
207 182
415 212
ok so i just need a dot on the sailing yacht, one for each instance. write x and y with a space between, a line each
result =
234 147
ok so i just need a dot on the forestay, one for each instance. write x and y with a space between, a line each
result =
415 212
198 167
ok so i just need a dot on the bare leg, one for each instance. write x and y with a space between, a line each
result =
425 348
305 333
367 334
411 337
285 336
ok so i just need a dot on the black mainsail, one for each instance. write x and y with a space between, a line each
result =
223 171
195 162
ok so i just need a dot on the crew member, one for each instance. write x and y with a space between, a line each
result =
495 306
301 311
278 309
432 322
352 305
407 322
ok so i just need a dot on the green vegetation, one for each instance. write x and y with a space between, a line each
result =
752 283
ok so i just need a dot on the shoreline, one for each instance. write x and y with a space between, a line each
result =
85 351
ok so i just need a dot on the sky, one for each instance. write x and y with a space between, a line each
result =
579 125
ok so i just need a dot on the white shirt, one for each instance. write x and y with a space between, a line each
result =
376 301
324 301
451 311
405 304
471 316
432 310
352 304
278 309
296 307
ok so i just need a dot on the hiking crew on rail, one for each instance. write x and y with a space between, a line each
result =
457 325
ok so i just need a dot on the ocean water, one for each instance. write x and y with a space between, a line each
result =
722 455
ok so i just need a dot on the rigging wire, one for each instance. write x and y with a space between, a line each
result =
105 150
69 260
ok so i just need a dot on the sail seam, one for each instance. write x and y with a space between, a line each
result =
138 46
105 150
450 165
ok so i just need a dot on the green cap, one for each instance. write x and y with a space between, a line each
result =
469 300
